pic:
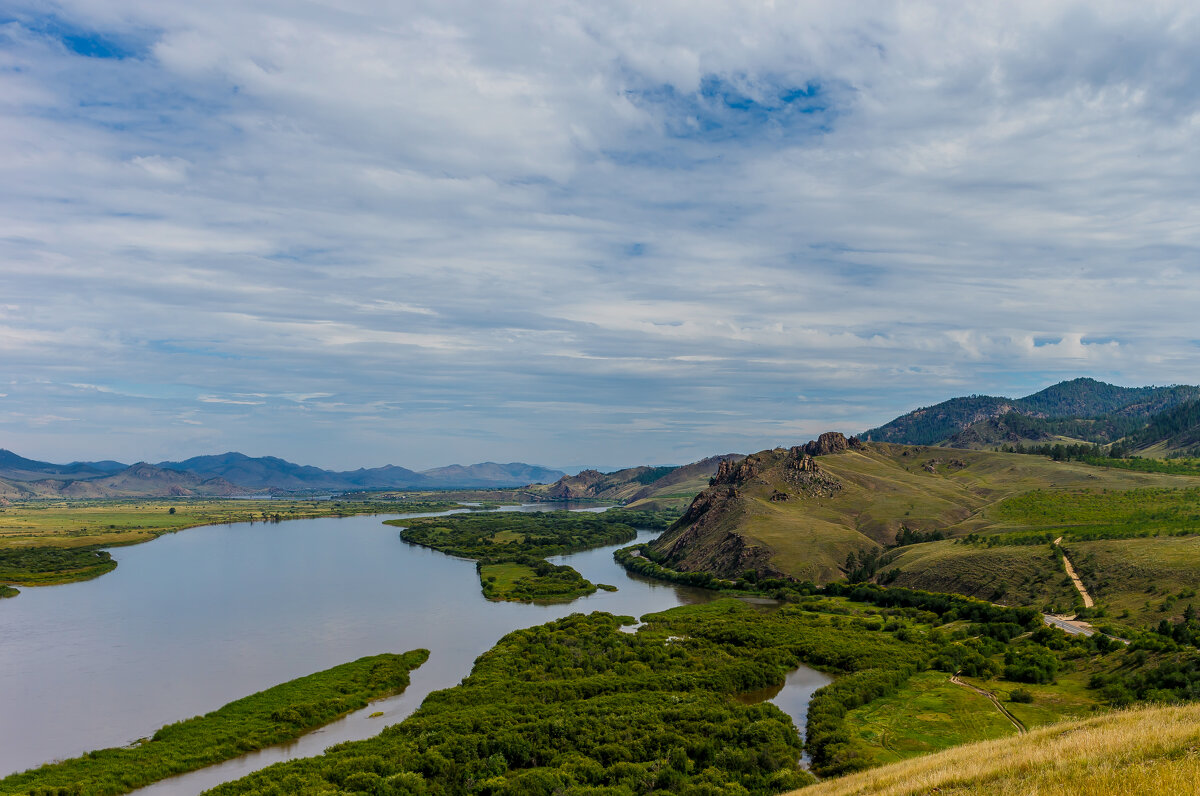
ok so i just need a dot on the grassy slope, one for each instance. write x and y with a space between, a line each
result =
1149 751
887 486
269 717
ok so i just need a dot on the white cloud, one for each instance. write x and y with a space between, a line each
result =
438 215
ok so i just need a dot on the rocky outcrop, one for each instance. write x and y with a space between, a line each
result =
581 485
832 442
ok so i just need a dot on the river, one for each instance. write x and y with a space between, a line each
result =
198 618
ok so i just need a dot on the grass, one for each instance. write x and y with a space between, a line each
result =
927 715
1024 575
89 524
886 487
1146 752
8 591
270 717
1139 581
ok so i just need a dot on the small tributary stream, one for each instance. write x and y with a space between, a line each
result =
198 618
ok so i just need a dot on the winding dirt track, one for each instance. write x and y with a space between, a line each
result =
1087 598
1015 721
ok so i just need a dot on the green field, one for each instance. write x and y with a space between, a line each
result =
927 715
270 717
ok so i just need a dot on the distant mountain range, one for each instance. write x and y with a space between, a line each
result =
1153 419
237 474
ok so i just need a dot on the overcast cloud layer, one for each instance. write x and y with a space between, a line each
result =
423 232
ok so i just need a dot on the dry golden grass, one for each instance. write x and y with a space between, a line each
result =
1143 751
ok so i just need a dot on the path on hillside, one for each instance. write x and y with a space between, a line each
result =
1087 598
1015 721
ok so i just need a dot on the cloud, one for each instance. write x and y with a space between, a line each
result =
470 226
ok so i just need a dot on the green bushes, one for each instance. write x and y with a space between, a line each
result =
35 565
269 717
510 547
575 706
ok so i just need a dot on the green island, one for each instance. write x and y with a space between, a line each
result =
278 714
510 548
8 591
45 542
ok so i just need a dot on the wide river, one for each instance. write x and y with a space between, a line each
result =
198 618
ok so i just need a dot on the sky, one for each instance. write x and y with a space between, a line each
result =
573 233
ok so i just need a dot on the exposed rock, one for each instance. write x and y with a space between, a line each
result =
802 469
832 442
777 496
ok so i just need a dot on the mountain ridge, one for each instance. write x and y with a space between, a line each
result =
1061 407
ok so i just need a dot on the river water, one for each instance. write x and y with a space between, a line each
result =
199 618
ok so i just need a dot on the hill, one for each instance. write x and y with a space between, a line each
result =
644 487
1079 399
935 519
1148 751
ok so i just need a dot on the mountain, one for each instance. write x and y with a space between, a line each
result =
1079 399
236 473
490 475
270 472
18 468
645 487
138 480
265 472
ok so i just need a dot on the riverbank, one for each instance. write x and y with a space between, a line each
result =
49 542
269 717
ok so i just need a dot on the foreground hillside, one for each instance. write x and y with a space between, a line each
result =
1149 751
950 521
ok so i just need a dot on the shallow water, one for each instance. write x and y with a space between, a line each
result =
198 618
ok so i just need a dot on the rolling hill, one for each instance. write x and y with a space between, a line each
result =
138 480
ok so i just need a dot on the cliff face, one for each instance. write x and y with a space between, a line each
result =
710 536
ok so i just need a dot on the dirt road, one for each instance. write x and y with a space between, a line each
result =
1087 598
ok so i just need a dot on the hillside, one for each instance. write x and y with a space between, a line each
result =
1149 751
642 487
1125 408
839 508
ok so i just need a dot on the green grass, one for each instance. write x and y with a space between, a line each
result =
541 582
927 715
270 717
1018 575
8 591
